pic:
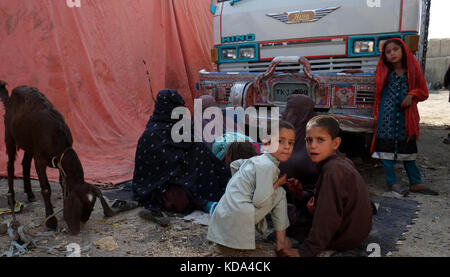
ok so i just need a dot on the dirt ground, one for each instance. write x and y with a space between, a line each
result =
126 234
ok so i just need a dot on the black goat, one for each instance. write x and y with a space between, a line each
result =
33 124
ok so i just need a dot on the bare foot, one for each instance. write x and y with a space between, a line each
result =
287 243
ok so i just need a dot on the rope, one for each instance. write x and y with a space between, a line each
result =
59 163
52 215
61 171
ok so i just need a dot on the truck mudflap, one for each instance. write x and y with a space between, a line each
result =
347 96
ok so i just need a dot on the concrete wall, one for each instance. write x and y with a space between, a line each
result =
438 60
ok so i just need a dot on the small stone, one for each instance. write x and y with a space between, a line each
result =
107 243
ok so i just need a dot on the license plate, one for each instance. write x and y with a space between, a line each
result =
298 17
282 91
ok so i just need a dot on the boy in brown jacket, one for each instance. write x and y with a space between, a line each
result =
341 207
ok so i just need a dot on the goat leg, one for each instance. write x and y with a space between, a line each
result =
26 166
11 151
107 211
52 222
12 203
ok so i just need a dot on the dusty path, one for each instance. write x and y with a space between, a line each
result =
133 236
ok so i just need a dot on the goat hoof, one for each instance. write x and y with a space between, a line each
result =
31 198
52 223
74 232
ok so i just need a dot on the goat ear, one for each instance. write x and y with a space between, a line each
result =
91 198
88 206
107 211
72 213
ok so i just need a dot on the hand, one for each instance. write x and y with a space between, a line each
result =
296 188
407 101
281 181
310 205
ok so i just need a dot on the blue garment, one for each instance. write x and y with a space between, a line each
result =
391 120
392 142
221 144
411 170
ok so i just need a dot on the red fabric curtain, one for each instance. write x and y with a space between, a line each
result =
88 61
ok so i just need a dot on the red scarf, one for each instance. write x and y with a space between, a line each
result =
417 88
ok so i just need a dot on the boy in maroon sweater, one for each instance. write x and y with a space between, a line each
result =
341 207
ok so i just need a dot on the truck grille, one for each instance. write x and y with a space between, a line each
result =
365 98
332 64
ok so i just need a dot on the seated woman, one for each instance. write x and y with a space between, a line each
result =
180 176
207 102
299 111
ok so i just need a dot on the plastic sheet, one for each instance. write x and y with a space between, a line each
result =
88 61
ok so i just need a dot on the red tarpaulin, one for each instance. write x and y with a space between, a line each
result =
88 61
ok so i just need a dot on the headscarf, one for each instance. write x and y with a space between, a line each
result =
299 110
161 162
417 87
207 102
221 144
166 101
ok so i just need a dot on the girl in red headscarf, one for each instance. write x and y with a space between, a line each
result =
400 86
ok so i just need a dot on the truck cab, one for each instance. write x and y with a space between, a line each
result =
267 50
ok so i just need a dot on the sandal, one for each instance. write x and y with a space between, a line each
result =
152 216
18 207
426 191
396 193
123 205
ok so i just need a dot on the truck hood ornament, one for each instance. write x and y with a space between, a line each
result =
292 17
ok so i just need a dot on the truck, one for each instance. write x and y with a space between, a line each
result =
266 50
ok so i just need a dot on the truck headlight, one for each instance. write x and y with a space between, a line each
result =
363 46
380 45
228 53
246 53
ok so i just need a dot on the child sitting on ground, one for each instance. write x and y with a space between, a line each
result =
235 151
253 192
342 210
